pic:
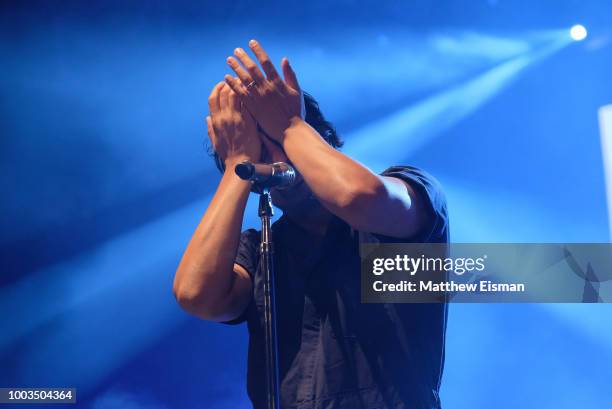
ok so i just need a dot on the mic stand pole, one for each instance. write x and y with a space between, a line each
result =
266 251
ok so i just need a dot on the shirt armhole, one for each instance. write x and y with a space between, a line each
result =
243 315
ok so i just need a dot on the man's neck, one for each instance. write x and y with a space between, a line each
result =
314 218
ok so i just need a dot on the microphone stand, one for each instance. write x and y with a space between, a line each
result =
266 251
275 174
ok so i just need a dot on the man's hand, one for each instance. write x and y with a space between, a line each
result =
231 128
207 283
273 102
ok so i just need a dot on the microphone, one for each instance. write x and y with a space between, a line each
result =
279 175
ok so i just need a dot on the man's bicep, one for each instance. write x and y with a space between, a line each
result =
239 296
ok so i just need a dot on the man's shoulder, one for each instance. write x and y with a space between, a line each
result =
412 173
431 191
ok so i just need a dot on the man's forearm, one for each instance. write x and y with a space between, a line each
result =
205 275
363 199
345 190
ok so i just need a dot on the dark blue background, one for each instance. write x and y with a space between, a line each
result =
104 175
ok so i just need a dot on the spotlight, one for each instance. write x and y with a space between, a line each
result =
578 32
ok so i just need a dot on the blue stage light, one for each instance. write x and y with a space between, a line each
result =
578 32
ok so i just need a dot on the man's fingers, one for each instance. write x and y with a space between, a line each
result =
244 76
224 96
289 74
264 60
236 85
213 98
233 100
250 65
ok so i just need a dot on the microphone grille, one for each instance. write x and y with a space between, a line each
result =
245 170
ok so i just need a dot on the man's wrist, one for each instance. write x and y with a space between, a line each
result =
295 124
231 162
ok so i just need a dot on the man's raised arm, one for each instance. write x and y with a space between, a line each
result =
363 199
207 283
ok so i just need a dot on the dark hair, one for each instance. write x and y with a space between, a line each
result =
315 118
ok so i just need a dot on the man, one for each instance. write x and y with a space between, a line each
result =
334 352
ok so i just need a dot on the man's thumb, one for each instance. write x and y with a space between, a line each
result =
289 74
